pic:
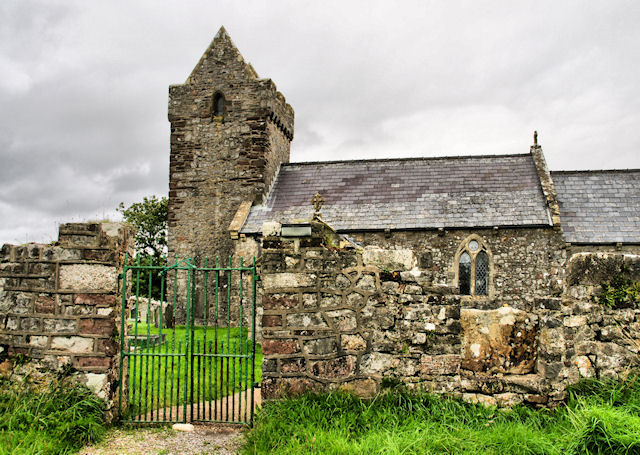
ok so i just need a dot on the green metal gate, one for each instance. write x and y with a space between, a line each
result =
187 342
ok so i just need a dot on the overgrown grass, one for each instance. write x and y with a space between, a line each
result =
157 382
600 418
57 418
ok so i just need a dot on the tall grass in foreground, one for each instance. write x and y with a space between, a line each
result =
56 418
600 418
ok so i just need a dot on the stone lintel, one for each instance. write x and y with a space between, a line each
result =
239 218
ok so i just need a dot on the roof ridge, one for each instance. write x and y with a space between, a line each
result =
423 158
595 171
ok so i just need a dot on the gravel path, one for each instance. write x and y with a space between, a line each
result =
205 439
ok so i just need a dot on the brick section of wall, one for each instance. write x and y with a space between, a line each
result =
217 163
349 318
59 303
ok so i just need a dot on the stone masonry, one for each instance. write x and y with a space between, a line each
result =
60 304
219 162
341 316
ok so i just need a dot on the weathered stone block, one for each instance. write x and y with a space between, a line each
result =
306 320
59 325
378 362
45 304
321 346
343 320
280 301
388 259
38 341
340 367
367 283
88 276
15 302
271 320
93 362
72 344
353 343
431 365
281 347
95 299
292 365
97 326
274 281
502 340
309 300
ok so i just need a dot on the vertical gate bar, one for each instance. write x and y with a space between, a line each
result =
199 381
204 342
192 362
164 394
241 345
149 351
229 281
253 337
240 340
221 379
246 378
228 303
135 334
210 396
178 385
161 328
215 337
215 374
187 351
122 330
233 382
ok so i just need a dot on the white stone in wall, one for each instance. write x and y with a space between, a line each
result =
288 280
390 260
72 344
271 229
97 383
88 276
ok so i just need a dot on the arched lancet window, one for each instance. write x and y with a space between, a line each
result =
473 268
464 273
218 104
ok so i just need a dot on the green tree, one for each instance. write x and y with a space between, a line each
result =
150 220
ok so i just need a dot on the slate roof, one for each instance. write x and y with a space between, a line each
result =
421 193
599 206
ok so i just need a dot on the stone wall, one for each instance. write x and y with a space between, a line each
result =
60 304
354 318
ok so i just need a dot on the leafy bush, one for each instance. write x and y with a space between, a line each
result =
620 291
57 417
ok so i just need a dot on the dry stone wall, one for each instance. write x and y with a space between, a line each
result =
355 319
59 303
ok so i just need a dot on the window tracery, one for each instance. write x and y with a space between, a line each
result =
473 267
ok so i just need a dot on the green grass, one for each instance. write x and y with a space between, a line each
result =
600 418
159 382
57 418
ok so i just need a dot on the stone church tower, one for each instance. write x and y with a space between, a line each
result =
230 131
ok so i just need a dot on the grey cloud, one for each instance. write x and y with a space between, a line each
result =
83 122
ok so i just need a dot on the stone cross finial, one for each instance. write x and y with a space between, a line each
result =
317 200
535 138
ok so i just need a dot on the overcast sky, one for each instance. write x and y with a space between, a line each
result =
83 88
